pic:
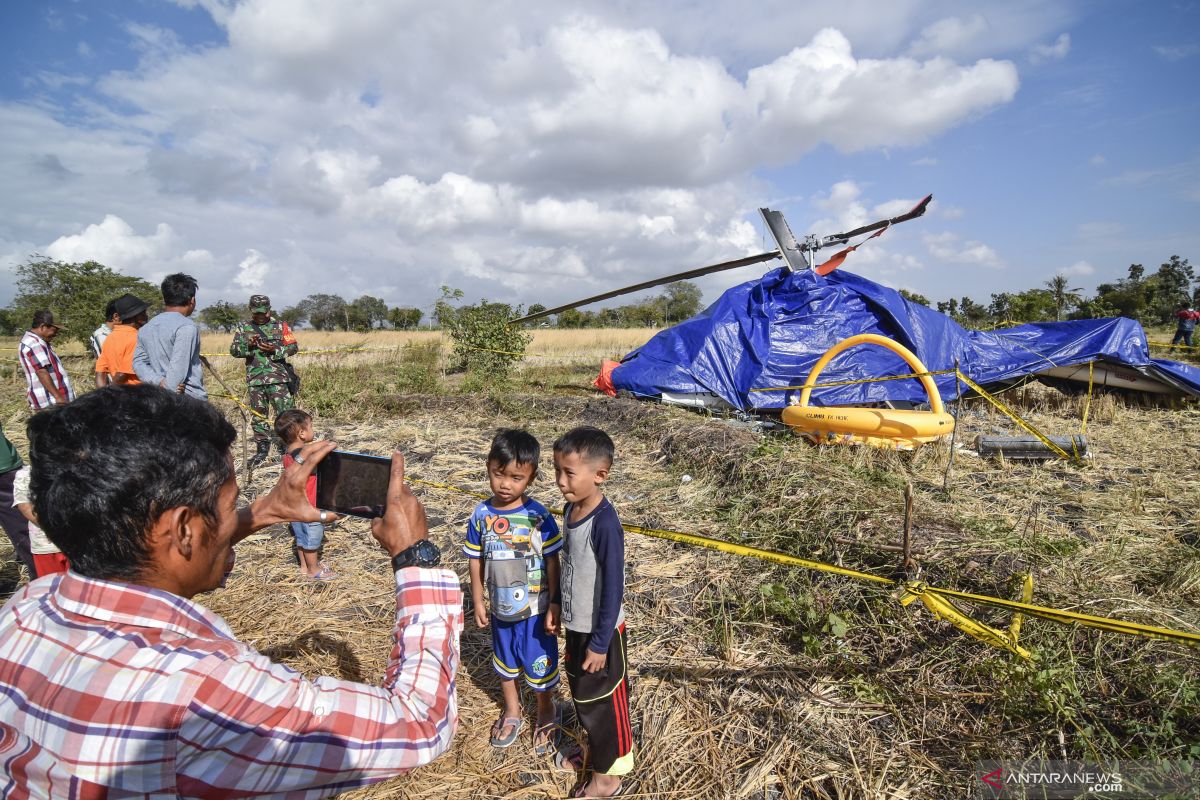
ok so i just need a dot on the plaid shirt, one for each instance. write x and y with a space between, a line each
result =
36 353
110 689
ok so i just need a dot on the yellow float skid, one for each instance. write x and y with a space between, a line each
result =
877 427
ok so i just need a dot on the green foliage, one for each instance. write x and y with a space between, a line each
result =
484 343
680 301
405 318
9 326
367 312
1063 297
221 315
76 293
913 297
293 316
326 312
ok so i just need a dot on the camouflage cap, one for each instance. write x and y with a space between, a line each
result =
260 302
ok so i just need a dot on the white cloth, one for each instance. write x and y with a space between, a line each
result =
39 543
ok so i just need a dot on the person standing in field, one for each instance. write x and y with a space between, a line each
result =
14 524
115 364
168 346
48 384
106 327
265 343
1184 327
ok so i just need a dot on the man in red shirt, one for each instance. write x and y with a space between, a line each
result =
1185 326
115 682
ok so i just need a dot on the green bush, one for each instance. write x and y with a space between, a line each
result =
484 343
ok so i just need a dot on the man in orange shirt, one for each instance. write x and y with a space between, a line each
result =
115 364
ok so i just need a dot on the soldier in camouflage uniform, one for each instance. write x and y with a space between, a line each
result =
265 343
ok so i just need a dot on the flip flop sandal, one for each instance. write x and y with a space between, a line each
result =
620 790
325 574
515 723
549 744
569 760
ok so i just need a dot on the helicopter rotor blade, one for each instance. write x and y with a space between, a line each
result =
842 238
678 276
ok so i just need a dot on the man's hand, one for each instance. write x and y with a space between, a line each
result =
481 615
593 662
403 522
287 500
553 616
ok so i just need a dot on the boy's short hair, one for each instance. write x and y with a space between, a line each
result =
514 444
289 422
110 309
590 442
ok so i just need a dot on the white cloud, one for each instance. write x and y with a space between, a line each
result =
1051 52
948 247
1094 230
950 35
113 243
1097 160
1078 269
927 161
252 272
1177 52
603 142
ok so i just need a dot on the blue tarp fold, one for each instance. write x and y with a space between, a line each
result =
768 333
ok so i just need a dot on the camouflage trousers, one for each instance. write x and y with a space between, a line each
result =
264 398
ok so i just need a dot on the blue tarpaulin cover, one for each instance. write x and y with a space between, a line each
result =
769 332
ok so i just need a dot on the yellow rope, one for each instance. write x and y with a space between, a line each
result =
937 600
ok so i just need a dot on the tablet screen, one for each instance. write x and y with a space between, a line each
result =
353 483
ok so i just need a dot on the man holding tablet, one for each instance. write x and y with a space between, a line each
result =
113 681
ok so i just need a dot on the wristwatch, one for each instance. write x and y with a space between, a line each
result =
422 554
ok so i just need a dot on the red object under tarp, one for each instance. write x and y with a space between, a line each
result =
603 381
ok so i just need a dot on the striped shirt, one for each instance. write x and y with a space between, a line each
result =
36 353
111 689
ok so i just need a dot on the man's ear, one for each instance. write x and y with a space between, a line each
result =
175 532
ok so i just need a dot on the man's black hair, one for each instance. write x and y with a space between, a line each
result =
105 467
289 422
110 309
178 289
513 444
591 443
43 317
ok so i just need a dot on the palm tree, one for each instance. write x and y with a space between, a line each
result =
1061 295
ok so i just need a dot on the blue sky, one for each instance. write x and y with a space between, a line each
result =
539 152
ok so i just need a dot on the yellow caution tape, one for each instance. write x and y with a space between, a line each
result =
1168 344
240 403
1016 417
1087 404
936 599
851 383
945 610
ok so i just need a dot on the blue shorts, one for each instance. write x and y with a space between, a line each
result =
524 646
309 535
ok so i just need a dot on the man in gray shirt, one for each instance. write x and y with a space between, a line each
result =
168 347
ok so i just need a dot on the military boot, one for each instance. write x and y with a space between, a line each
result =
264 450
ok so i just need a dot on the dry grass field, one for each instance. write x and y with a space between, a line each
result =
751 680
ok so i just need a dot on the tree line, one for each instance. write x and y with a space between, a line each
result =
78 292
1150 299
324 312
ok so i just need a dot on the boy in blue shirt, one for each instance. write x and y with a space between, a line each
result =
512 546
592 591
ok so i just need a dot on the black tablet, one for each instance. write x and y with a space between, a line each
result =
353 483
